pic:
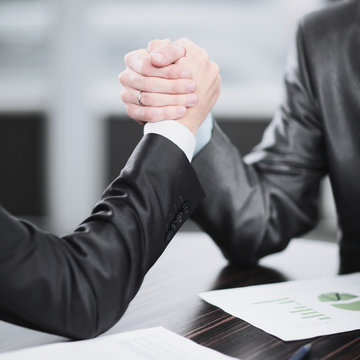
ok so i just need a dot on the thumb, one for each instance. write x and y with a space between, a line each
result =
156 43
166 55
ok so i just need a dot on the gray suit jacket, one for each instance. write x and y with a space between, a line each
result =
79 285
255 205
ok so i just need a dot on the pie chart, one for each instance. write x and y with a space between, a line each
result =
341 300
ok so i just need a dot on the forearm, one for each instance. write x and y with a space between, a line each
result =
80 285
247 210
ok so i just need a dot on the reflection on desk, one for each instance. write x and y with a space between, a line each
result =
193 264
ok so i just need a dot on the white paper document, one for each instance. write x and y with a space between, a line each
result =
148 344
295 310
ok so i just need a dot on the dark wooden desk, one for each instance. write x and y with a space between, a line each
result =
192 264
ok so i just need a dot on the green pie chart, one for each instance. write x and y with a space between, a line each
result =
338 300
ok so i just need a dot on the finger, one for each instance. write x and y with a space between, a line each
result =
166 55
139 61
131 79
135 59
130 96
154 114
154 44
191 48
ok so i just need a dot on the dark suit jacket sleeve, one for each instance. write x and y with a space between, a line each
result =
79 285
255 205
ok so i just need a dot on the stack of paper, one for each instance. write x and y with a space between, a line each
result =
148 344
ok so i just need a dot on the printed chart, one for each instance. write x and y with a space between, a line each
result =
303 311
295 310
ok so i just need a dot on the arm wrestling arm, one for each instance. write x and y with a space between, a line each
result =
255 205
79 285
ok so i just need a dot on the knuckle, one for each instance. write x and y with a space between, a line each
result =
121 77
126 58
129 56
123 95
185 42
151 43
145 99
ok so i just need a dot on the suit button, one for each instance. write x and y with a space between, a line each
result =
169 236
179 217
186 207
173 227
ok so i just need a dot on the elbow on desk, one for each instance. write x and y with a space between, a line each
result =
84 329
80 315
84 326
246 249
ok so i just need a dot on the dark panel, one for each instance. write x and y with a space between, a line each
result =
22 163
244 134
122 136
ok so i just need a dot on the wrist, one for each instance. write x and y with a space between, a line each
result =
179 134
190 125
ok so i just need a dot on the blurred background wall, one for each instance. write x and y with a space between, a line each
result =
64 133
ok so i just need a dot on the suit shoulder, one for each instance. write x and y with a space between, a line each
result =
333 19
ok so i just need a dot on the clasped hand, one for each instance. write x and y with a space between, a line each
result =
177 81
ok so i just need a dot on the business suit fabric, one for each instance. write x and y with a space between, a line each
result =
255 205
80 284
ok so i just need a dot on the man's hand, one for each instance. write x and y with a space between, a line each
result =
166 91
165 63
204 72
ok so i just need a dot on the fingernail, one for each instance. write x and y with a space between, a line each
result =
181 110
190 86
192 100
185 74
158 57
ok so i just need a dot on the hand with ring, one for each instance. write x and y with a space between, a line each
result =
153 93
168 80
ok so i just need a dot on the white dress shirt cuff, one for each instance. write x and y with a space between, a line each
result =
204 134
179 134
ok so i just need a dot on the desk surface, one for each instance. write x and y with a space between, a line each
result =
192 264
